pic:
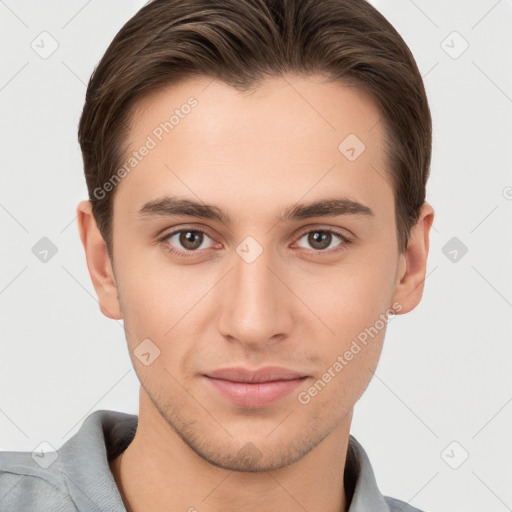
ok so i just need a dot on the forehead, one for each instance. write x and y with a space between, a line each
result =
280 105
289 138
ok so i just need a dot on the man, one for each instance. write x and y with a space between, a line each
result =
256 173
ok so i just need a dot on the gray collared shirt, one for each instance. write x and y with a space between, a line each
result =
77 476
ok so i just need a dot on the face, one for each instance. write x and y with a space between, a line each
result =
241 284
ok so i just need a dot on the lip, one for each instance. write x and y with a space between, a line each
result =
265 374
255 388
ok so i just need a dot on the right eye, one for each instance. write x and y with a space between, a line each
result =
187 240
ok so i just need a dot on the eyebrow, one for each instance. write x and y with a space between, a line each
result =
169 206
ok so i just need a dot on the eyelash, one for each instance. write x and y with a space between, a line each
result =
187 254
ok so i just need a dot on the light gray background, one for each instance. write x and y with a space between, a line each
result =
445 372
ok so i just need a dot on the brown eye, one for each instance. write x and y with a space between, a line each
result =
185 240
322 239
190 240
319 239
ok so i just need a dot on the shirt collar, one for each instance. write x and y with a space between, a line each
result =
360 480
84 462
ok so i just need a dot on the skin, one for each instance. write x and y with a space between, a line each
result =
252 155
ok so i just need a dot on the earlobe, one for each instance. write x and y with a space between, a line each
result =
410 283
98 262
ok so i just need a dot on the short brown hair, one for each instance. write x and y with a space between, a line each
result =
241 42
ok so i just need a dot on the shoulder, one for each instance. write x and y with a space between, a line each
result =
361 483
74 477
399 506
24 483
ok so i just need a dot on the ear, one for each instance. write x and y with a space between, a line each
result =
98 262
413 264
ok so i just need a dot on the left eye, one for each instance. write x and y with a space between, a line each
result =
321 239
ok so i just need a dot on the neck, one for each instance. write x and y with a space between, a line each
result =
159 471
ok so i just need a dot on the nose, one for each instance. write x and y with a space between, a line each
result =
255 302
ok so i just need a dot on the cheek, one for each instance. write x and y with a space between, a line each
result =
154 296
353 300
356 308
348 367
166 305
